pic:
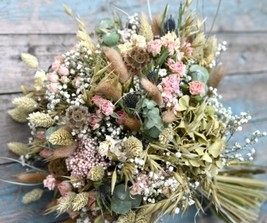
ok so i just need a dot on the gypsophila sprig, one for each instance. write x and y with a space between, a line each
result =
128 126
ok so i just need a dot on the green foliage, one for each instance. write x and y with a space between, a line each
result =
153 124
199 73
122 201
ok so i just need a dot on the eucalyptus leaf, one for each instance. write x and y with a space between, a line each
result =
136 201
121 192
120 206
199 73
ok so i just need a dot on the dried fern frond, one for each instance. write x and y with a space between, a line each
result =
61 137
39 119
33 195
18 115
117 63
145 28
18 148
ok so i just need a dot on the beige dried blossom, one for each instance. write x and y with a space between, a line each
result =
80 201
145 28
33 195
96 173
39 119
18 148
127 218
18 115
133 147
62 137
25 103
166 136
65 203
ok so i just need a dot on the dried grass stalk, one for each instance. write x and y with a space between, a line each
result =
117 63
110 89
132 123
36 177
63 151
152 91
216 76
145 28
155 25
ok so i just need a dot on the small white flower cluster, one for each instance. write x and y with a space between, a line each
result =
244 152
131 29
220 48
77 62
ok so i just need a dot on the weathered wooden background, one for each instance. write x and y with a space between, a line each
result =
40 27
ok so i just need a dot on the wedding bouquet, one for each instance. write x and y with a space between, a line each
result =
127 126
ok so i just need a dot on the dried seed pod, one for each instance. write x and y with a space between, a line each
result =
117 63
155 25
77 116
80 201
136 59
25 103
96 173
145 28
216 76
18 115
18 148
127 218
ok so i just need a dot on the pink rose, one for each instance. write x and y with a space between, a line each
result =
121 116
45 153
52 87
64 79
170 45
55 65
64 187
63 71
176 67
154 47
197 88
98 100
107 108
52 77
76 82
95 119
50 182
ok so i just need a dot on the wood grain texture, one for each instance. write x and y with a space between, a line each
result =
42 28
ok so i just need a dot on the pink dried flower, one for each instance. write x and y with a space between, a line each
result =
50 182
95 118
84 158
154 47
176 67
45 153
63 70
197 88
186 48
107 108
52 87
121 116
52 77
98 100
64 188
55 65
64 79
76 82
170 88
